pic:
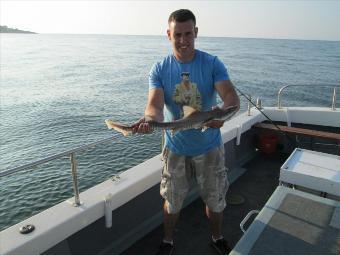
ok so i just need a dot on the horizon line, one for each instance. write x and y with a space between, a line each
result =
205 36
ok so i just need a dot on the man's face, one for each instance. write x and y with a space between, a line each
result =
185 78
182 36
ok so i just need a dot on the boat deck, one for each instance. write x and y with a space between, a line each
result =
192 233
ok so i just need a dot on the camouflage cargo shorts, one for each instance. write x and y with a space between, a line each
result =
207 170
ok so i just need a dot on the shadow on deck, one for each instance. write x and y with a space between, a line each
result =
193 234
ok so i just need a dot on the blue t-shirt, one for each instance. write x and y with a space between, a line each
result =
189 84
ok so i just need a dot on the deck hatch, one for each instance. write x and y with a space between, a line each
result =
299 226
313 170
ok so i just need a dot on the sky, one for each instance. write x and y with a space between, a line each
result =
310 20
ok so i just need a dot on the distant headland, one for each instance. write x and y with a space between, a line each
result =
5 29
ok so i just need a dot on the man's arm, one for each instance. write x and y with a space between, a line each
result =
226 91
153 111
155 105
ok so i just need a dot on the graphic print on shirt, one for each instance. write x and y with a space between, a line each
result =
186 93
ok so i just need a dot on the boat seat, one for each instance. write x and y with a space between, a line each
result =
293 222
299 131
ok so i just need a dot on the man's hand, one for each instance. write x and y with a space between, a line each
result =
216 123
141 126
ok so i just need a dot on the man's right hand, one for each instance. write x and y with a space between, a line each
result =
141 126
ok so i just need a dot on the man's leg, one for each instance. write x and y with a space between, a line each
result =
174 187
170 220
212 179
216 220
218 241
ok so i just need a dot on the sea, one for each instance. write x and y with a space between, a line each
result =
57 90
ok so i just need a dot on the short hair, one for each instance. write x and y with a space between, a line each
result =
182 15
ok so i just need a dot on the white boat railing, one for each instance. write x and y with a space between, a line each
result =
71 154
333 105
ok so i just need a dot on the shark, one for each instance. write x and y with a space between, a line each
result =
192 119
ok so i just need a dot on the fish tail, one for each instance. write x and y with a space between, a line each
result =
125 130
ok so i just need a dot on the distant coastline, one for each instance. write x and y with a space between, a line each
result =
5 29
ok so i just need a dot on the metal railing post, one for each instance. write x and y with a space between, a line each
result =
279 97
249 105
334 100
259 103
75 179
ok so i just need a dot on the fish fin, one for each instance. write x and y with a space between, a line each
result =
124 132
174 131
188 110
204 128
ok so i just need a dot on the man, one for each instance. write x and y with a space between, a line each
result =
190 154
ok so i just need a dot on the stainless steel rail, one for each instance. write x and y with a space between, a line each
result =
249 105
71 154
279 104
334 99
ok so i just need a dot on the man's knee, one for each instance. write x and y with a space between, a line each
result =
216 207
172 208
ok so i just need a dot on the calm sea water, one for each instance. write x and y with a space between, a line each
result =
57 90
